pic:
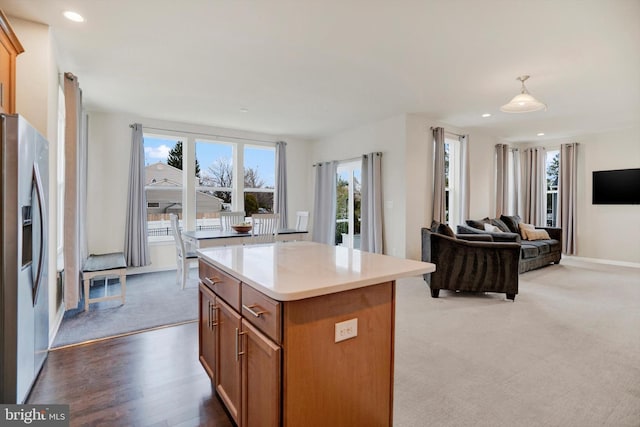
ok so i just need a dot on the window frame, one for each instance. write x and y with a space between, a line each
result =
189 204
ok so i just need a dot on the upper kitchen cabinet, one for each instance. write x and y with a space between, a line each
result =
10 47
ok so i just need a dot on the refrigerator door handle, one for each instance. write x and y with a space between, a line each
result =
37 181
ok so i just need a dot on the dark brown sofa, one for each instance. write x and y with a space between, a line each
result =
474 264
533 253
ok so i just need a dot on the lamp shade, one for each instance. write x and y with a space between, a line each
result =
523 102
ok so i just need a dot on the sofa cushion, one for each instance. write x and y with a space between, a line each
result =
479 223
537 234
444 229
524 228
542 245
528 251
511 222
492 228
500 224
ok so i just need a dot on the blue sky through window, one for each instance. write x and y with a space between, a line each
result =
256 157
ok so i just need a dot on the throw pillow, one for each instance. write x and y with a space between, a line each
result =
440 228
492 228
479 224
537 234
500 224
511 222
524 228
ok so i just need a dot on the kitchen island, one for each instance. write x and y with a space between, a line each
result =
299 333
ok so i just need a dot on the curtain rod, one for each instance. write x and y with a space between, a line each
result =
450 133
353 159
208 134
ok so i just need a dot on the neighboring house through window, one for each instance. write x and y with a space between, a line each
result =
216 184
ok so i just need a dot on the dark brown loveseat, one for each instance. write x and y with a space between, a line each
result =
476 264
533 253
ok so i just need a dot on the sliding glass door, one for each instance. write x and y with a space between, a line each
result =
348 199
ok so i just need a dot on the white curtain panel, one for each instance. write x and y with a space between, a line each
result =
280 202
371 239
515 185
75 191
438 175
465 186
568 197
136 246
502 179
324 215
534 183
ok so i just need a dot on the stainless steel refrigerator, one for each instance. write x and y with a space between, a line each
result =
24 305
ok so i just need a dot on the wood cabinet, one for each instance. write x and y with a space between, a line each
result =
10 47
243 363
279 363
207 331
261 364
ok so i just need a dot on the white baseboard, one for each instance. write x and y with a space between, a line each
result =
602 261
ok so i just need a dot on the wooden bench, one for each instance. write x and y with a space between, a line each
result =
104 266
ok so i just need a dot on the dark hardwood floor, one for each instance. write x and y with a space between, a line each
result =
148 379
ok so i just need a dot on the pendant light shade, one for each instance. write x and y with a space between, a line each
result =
523 102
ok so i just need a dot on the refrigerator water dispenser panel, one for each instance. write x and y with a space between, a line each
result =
27 237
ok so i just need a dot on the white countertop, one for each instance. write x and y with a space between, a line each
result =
288 271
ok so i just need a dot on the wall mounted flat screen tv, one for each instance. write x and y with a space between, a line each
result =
616 187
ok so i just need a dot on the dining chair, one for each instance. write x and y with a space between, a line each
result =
264 227
302 221
227 219
182 255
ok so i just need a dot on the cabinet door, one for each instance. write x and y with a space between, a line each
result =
207 331
260 379
227 379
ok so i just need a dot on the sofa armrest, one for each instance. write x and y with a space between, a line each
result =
471 265
554 232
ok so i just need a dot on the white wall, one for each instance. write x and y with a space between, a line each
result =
407 167
605 232
608 232
387 136
108 179
37 101
419 177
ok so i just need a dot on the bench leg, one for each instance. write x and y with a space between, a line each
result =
86 294
123 286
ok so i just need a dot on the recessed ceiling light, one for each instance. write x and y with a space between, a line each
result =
73 16
486 115
244 110
540 133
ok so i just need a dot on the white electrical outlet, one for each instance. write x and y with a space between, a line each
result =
347 329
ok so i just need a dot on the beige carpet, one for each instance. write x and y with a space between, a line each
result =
565 353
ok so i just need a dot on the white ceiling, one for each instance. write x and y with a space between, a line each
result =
310 68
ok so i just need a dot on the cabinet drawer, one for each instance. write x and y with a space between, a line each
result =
262 312
225 286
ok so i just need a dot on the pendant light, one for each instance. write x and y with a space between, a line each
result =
523 102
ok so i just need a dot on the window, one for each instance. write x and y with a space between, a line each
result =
553 167
217 184
259 179
452 181
163 183
348 202
215 189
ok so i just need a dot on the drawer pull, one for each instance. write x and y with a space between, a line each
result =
211 281
250 308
